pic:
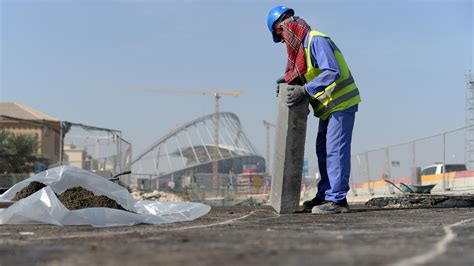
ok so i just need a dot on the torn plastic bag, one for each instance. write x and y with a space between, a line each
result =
44 206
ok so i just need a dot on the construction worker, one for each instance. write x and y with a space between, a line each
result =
317 70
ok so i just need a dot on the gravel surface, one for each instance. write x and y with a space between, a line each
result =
423 201
256 236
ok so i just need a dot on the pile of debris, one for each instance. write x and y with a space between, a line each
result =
155 195
79 198
67 195
28 190
73 198
422 201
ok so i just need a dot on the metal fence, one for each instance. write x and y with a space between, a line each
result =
99 150
403 163
31 146
232 190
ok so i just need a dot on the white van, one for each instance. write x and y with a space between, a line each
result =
439 168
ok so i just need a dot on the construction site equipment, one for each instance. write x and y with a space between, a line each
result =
418 189
116 177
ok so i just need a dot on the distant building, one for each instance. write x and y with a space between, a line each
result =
75 156
23 120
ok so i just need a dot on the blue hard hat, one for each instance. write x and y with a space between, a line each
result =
274 14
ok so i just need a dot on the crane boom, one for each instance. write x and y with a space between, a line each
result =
190 91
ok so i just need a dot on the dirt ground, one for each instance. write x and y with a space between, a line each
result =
256 236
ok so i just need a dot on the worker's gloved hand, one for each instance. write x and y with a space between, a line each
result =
295 94
278 81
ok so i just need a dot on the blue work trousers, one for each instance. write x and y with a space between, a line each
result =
333 149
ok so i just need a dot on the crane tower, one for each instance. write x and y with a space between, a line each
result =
469 121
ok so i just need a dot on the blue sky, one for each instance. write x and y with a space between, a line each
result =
86 61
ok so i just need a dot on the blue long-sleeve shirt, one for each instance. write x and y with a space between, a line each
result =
322 57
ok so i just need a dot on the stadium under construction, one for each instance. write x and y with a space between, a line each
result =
208 159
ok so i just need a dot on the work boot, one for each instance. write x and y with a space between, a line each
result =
309 204
331 207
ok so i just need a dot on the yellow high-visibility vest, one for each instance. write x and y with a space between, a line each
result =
339 95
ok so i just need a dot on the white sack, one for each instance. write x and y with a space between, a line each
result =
44 207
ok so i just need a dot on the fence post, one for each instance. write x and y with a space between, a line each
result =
61 142
389 174
368 173
353 188
444 162
414 178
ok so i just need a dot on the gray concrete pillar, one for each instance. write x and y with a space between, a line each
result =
288 153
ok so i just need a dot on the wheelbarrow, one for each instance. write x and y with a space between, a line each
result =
116 177
417 189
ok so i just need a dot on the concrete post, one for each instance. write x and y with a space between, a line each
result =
288 153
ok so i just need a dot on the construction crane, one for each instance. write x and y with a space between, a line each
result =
217 95
267 143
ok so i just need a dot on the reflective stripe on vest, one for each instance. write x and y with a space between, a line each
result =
339 95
